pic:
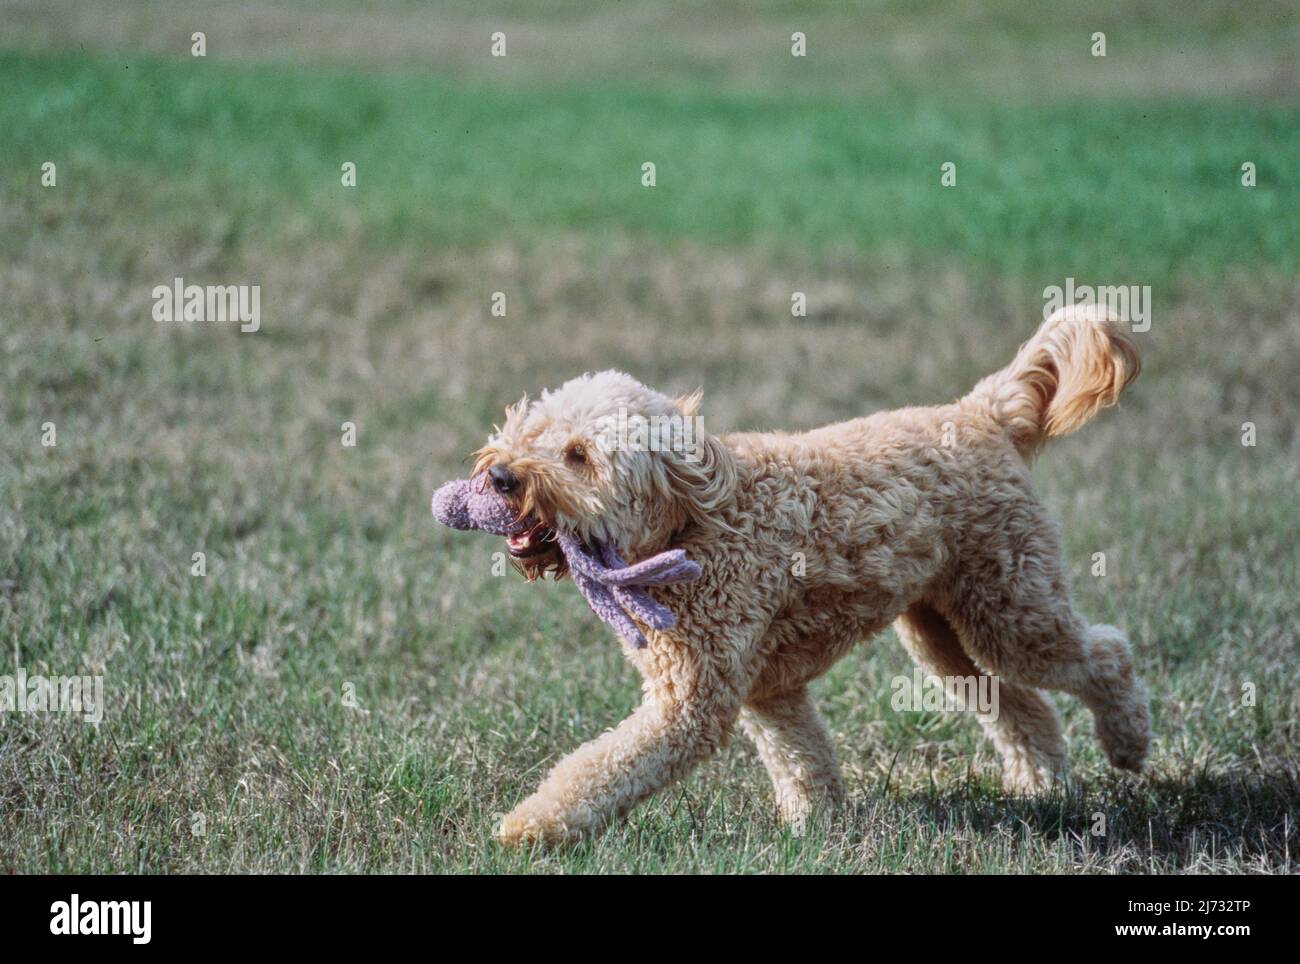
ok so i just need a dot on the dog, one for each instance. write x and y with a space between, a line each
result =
811 543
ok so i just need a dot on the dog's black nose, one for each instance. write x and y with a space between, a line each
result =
503 480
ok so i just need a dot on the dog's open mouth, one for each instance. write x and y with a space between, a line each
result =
532 542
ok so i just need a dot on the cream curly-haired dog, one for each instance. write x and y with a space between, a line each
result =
811 543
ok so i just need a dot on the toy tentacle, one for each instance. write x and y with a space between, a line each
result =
604 605
580 560
654 614
659 570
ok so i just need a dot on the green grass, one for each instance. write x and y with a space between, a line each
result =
1043 189
326 576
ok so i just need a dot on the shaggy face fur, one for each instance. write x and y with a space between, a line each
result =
812 543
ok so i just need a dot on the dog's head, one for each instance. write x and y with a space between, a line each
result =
608 460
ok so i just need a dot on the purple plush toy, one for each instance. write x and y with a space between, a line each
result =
615 591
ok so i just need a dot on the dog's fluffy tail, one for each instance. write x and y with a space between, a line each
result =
1076 364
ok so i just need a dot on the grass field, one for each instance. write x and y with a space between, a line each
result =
228 742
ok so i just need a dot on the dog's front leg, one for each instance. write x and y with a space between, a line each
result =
607 777
794 746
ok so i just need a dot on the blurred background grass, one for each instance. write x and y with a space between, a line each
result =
480 174
445 161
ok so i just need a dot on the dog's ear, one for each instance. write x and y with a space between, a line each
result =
706 481
700 476
689 404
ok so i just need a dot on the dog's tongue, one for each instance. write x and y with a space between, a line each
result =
532 541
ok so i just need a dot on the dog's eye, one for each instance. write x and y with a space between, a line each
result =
576 454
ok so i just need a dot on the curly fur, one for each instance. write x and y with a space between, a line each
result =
811 543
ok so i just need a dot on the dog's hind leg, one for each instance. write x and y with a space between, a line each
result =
1031 635
796 750
1025 730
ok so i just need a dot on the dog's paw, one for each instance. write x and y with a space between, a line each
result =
1123 709
1027 773
529 823
1124 730
801 807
